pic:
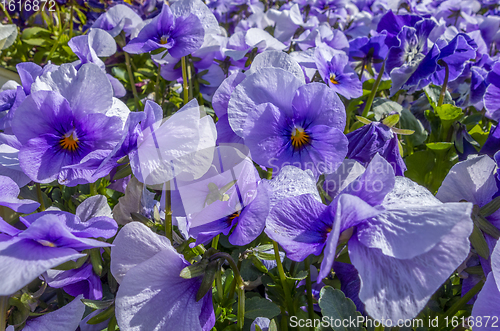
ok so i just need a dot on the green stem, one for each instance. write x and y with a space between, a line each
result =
380 327
93 189
215 241
4 305
184 80
445 83
282 276
218 285
40 196
310 303
157 86
168 213
6 13
269 173
369 102
190 81
132 82
71 21
466 298
239 283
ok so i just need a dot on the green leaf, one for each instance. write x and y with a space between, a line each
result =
391 120
432 92
479 243
363 119
336 306
97 304
448 112
300 275
260 307
385 107
409 121
194 270
419 165
206 284
442 146
30 33
104 316
36 42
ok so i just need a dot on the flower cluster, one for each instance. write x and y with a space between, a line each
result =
244 165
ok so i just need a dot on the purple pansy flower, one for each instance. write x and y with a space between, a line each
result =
228 195
283 121
487 303
180 146
473 180
9 191
492 94
83 280
334 68
51 238
66 123
375 138
180 35
148 269
382 217
63 319
118 18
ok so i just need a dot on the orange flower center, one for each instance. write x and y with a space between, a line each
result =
299 138
69 141
333 79
164 40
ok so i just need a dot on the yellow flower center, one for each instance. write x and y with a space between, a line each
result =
333 79
164 40
69 141
46 243
299 138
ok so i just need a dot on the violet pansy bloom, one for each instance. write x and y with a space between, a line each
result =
283 121
180 35
64 122
492 94
333 67
228 195
148 269
51 238
181 146
382 216
9 191
375 138
118 18
487 303
83 280
66 318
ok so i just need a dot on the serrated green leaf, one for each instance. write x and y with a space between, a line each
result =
409 121
260 307
336 306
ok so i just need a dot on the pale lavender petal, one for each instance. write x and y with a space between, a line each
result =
471 180
399 289
66 318
134 244
9 191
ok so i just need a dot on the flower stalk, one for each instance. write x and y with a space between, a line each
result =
239 284
369 102
310 304
445 83
40 196
4 305
132 81
185 88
